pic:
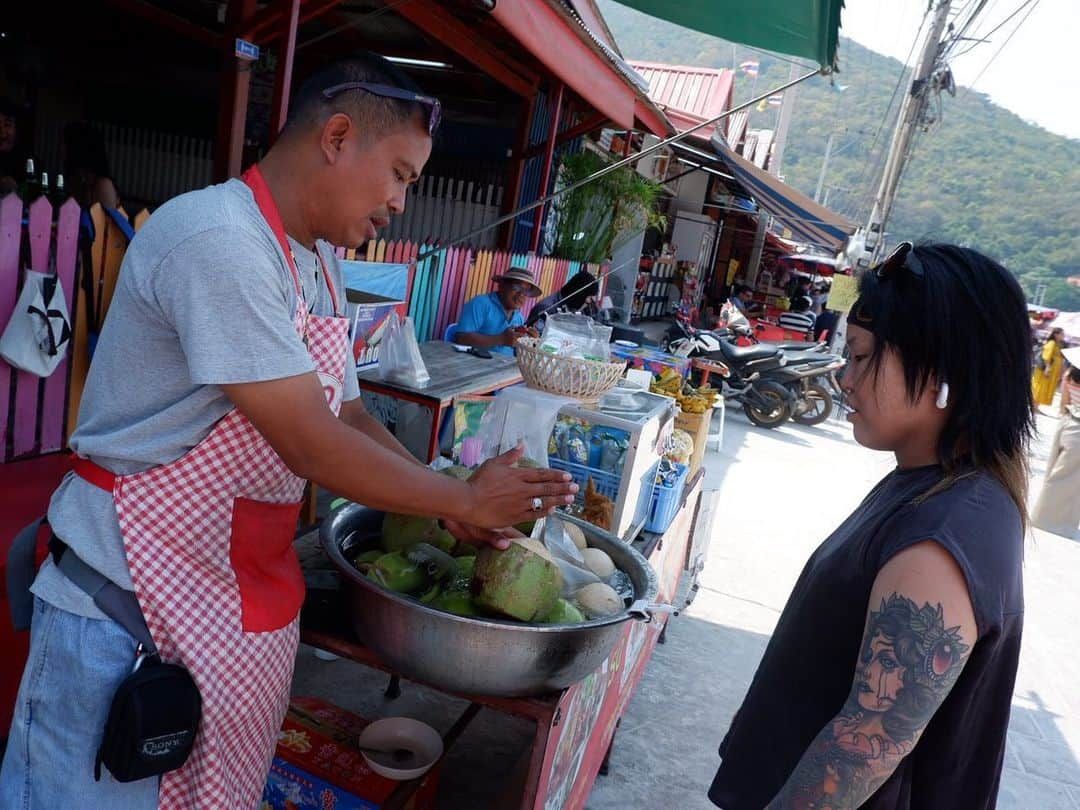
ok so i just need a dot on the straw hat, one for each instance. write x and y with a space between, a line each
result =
520 274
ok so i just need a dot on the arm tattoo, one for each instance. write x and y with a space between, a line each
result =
907 664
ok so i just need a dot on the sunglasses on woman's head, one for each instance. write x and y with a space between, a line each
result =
389 91
902 258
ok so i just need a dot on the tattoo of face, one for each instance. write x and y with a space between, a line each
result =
908 663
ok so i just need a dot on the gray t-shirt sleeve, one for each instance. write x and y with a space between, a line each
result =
231 304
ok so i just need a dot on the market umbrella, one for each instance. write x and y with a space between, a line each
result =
1070 322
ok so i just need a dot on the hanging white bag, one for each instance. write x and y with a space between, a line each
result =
399 358
36 338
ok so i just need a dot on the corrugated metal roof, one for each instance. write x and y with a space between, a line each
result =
736 128
688 95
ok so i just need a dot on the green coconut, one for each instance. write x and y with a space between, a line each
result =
521 582
396 572
367 556
563 613
459 602
402 532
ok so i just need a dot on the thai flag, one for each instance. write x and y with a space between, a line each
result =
750 67
777 100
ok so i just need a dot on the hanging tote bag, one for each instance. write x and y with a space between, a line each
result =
37 336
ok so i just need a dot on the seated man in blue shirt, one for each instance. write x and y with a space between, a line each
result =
494 321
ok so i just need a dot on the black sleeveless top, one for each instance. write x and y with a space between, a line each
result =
807 669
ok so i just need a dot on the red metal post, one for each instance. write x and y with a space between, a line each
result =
233 98
549 158
283 80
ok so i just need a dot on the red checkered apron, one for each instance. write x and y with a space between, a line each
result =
209 543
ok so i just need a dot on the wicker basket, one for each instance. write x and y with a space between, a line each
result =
587 380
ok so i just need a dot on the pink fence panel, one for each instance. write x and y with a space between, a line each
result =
56 386
11 208
24 430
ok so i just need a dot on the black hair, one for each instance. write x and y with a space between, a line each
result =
9 109
964 322
800 303
1074 374
577 289
370 112
84 150
739 289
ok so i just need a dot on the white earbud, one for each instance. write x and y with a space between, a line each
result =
943 396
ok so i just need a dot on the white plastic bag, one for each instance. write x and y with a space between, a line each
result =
399 359
571 334
551 531
37 336
520 415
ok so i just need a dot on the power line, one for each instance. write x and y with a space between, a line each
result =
997 28
886 116
1034 5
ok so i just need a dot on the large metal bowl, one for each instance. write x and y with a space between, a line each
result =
472 655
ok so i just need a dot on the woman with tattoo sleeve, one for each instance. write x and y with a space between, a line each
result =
920 590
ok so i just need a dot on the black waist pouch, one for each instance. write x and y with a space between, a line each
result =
152 722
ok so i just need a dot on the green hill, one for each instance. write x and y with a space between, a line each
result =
980 176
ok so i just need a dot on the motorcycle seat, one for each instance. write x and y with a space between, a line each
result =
798 358
745 354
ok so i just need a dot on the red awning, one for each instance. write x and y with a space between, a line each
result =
565 46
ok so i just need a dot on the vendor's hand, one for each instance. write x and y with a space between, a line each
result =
502 495
476 536
510 336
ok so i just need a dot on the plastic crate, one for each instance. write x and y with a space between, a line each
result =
607 484
665 502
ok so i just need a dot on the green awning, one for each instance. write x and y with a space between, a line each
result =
807 28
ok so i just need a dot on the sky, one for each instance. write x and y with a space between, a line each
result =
1035 75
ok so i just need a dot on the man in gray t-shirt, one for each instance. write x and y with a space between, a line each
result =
202 343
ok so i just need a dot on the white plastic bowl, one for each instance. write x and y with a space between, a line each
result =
401 732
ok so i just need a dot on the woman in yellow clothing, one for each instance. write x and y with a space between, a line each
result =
1047 377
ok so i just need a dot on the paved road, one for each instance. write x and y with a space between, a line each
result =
780 494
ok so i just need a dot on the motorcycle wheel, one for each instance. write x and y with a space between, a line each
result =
819 405
778 412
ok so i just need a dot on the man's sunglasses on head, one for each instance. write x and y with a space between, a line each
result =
389 91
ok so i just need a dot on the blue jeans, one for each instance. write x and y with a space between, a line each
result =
74 669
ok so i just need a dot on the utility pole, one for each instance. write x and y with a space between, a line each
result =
910 118
824 166
787 108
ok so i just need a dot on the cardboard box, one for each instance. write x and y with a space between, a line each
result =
652 360
317 765
370 315
697 425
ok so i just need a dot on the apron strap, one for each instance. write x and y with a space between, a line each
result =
254 179
93 473
21 570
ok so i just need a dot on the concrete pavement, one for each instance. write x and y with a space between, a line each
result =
780 494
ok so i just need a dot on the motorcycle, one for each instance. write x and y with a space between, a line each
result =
766 403
815 390
808 377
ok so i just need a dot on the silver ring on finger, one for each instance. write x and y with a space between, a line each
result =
537 504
